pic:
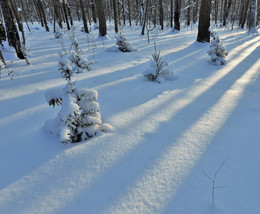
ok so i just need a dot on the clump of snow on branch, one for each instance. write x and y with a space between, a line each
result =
217 50
79 117
158 70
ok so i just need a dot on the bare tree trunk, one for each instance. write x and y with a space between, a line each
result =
69 13
188 13
177 13
11 30
161 13
216 11
195 11
145 16
3 60
57 13
101 18
92 4
65 14
123 11
18 20
142 12
129 12
2 30
171 14
252 17
244 13
204 21
115 15
84 16
43 14
225 13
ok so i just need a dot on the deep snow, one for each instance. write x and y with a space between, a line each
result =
164 134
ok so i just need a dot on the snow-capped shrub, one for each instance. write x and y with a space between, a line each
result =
79 117
158 69
122 43
217 50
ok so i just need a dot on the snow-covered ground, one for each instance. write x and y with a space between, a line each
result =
165 135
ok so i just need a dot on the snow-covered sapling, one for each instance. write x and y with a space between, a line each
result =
79 117
122 43
158 69
81 64
217 50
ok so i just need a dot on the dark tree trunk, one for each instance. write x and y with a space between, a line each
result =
161 13
204 21
225 13
171 14
115 15
2 30
65 14
216 11
92 4
57 13
244 13
145 16
188 13
195 11
129 12
101 18
177 13
11 30
84 16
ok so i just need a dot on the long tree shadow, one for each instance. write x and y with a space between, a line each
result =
136 157
131 168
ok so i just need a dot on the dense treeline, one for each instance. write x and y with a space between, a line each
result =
15 14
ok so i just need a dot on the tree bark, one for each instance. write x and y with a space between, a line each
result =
177 13
161 13
171 13
92 4
188 13
11 29
65 14
145 16
101 18
115 15
84 16
252 16
204 21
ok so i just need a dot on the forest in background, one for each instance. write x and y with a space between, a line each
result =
17 14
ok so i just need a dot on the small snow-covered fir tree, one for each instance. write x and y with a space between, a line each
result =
79 117
217 50
158 69
122 43
81 64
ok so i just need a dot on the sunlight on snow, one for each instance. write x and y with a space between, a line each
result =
158 185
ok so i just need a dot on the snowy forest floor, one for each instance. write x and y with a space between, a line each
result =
164 134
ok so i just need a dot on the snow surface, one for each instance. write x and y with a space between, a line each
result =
164 135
